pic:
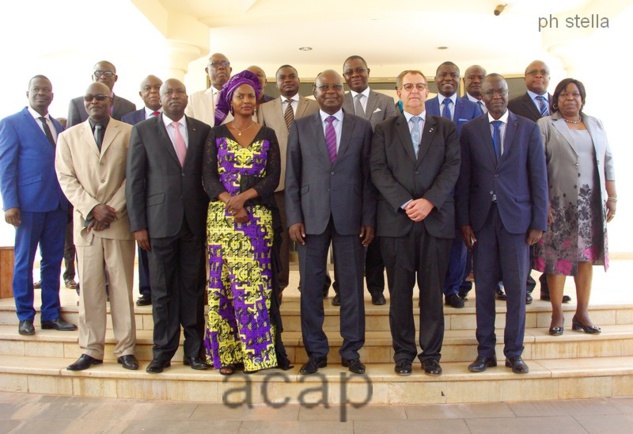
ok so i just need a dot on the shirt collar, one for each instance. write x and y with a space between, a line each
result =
533 95
295 97
408 115
503 118
441 98
338 115
36 115
149 113
365 93
167 121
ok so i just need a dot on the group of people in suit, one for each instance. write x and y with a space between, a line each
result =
414 191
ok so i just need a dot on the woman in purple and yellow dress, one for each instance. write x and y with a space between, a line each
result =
241 172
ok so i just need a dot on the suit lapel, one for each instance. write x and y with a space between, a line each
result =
317 131
346 134
89 137
372 103
484 128
301 107
110 133
164 138
563 129
511 129
402 129
459 108
193 134
529 104
428 133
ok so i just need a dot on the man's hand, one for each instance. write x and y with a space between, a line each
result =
297 233
97 226
104 213
367 234
418 209
534 236
12 216
468 235
142 238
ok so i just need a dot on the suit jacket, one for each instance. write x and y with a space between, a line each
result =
134 117
524 106
379 107
271 115
77 111
519 179
89 177
317 190
27 165
201 106
400 177
464 110
160 193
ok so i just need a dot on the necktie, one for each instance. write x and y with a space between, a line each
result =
415 133
99 135
289 114
446 113
156 113
179 141
542 105
330 138
358 106
496 138
47 130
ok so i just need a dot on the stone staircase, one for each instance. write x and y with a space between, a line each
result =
574 365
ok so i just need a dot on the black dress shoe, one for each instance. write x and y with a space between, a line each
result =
463 295
128 362
312 365
528 299
482 363
403 367
144 300
26 328
156 366
454 301
59 324
517 364
195 363
378 299
84 362
431 367
355 366
501 296
336 301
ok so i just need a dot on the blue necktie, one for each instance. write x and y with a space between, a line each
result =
446 113
496 138
415 133
542 105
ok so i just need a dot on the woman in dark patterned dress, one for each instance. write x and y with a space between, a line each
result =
241 172
582 200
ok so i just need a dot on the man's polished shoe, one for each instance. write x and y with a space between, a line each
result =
454 301
58 324
195 363
431 367
156 366
482 363
144 300
128 362
70 283
403 367
84 362
528 299
336 301
378 299
501 296
312 365
26 328
355 366
517 364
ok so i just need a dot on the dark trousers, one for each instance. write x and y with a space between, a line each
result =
374 268
144 287
456 265
284 249
348 261
69 248
499 253
175 265
425 257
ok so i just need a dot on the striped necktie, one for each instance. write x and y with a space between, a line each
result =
289 114
330 138
542 105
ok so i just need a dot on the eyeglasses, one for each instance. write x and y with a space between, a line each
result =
224 63
108 74
325 87
356 70
410 86
500 92
100 97
537 72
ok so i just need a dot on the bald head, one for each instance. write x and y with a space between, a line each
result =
537 77
261 75
173 98
150 92
473 79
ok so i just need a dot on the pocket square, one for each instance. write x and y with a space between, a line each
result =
463 120
377 110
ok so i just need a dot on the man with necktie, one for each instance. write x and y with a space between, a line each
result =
202 104
34 204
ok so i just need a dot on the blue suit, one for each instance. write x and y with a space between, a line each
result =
501 201
28 182
465 111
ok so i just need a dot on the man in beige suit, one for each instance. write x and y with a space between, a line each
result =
90 164
201 104
278 114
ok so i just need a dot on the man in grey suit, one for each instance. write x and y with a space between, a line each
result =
329 198
375 107
414 165
167 207
279 114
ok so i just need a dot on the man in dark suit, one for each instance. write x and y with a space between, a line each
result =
167 207
150 94
34 204
103 72
329 198
473 79
374 107
414 166
449 106
502 210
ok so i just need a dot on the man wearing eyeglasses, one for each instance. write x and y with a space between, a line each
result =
90 163
329 198
202 104
414 165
